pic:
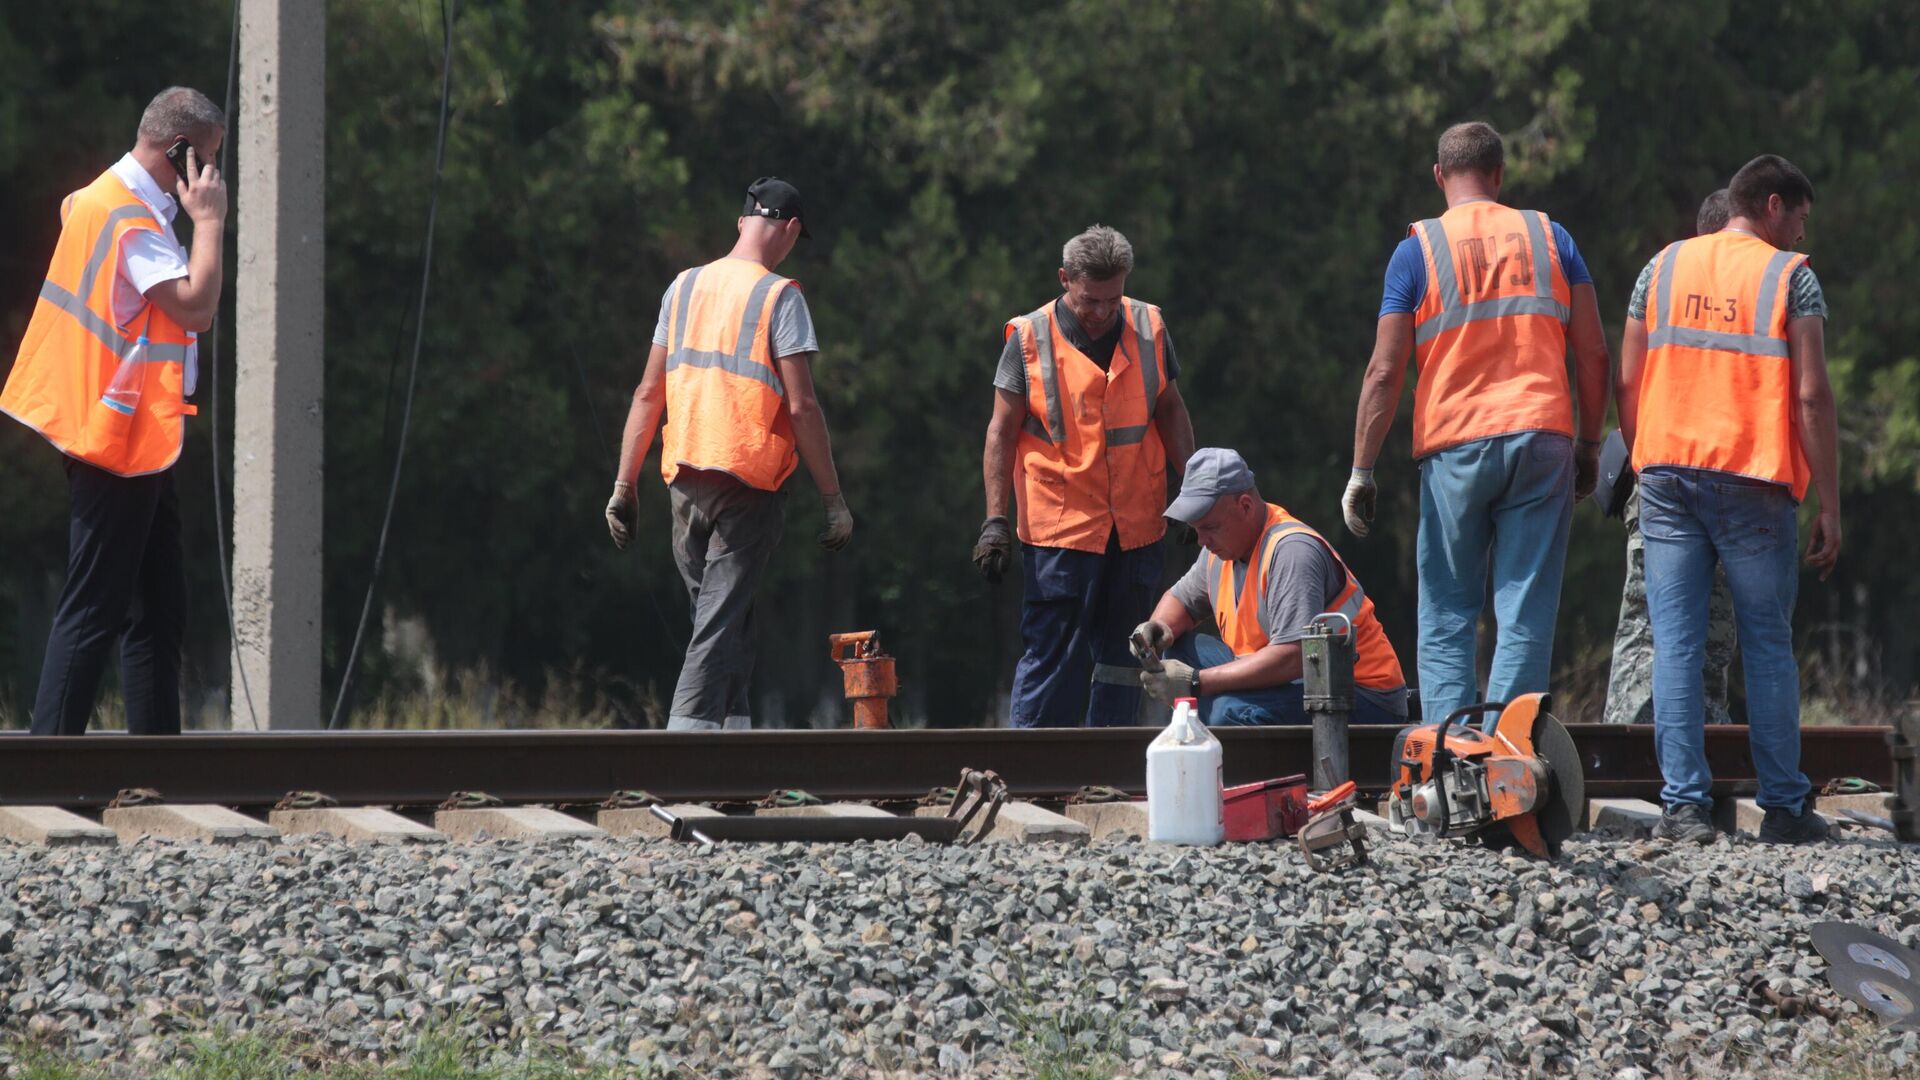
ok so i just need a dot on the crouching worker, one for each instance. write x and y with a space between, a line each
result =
1261 579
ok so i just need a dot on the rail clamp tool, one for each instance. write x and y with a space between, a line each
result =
1332 839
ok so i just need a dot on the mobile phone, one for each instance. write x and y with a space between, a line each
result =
177 154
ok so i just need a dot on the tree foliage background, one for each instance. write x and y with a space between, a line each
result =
1263 157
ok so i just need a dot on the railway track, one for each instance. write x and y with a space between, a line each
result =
579 767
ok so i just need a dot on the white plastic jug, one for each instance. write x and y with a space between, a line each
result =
1183 781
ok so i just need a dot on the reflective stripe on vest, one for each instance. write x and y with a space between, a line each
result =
1690 337
1489 333
726 403
1089 461
1236 591
740 361
73 350
1454 314
161 352
1716 391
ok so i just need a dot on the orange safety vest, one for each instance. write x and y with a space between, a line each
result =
73 352
1490 335
1235 594
1717 390
726 405
1090 457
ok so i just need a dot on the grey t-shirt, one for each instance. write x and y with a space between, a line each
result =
792 330
1011 375
1302 580
1804 295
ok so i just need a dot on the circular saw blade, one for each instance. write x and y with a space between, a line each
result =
1564 810
1894 1001
1848 943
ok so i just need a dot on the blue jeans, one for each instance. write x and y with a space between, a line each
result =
1079 608
1269 705
1690 519
1505 501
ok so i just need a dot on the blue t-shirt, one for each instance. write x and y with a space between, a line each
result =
1407 272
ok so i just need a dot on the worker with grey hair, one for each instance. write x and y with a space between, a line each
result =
104 373
1087 425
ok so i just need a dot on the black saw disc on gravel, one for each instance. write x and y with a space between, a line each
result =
1564 812
1893 1001
1848 943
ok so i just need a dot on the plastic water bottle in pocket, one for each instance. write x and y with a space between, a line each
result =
123 393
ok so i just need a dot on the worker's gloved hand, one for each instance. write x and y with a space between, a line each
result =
993 552
1173 681
1150 638
1586 468
1357 504
839 528
622 514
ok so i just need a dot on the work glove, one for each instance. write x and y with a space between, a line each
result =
1173 681
1586 468
1150 639
839 528
1357 504
622 514
993 552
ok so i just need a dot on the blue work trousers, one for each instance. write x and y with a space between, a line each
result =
1269 705
1689 520
1079 608
1504 504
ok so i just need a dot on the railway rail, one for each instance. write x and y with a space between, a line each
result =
580 767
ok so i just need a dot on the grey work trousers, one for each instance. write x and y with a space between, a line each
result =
723 534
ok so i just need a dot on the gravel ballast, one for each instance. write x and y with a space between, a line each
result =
1623 959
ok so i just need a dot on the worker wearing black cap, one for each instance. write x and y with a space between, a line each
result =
729 386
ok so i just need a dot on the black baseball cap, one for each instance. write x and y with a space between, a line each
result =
772 197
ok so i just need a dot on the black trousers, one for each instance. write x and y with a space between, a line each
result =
126 583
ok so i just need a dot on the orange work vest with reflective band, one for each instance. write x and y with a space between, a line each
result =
1236 589
1490 335
726 405
1717 390
73 352
1090 457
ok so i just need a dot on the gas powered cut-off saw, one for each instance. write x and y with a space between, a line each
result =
1516 775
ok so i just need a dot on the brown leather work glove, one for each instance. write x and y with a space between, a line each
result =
993 552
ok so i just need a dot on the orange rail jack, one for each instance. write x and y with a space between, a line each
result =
868 675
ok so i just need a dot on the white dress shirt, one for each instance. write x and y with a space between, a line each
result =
149 258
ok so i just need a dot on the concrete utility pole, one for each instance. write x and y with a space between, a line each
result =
280 304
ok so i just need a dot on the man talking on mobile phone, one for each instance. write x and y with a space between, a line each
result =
104 373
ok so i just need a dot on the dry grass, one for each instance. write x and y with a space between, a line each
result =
476 699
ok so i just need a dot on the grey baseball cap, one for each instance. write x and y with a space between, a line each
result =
1211 473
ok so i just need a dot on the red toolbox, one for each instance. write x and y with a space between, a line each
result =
1266 810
